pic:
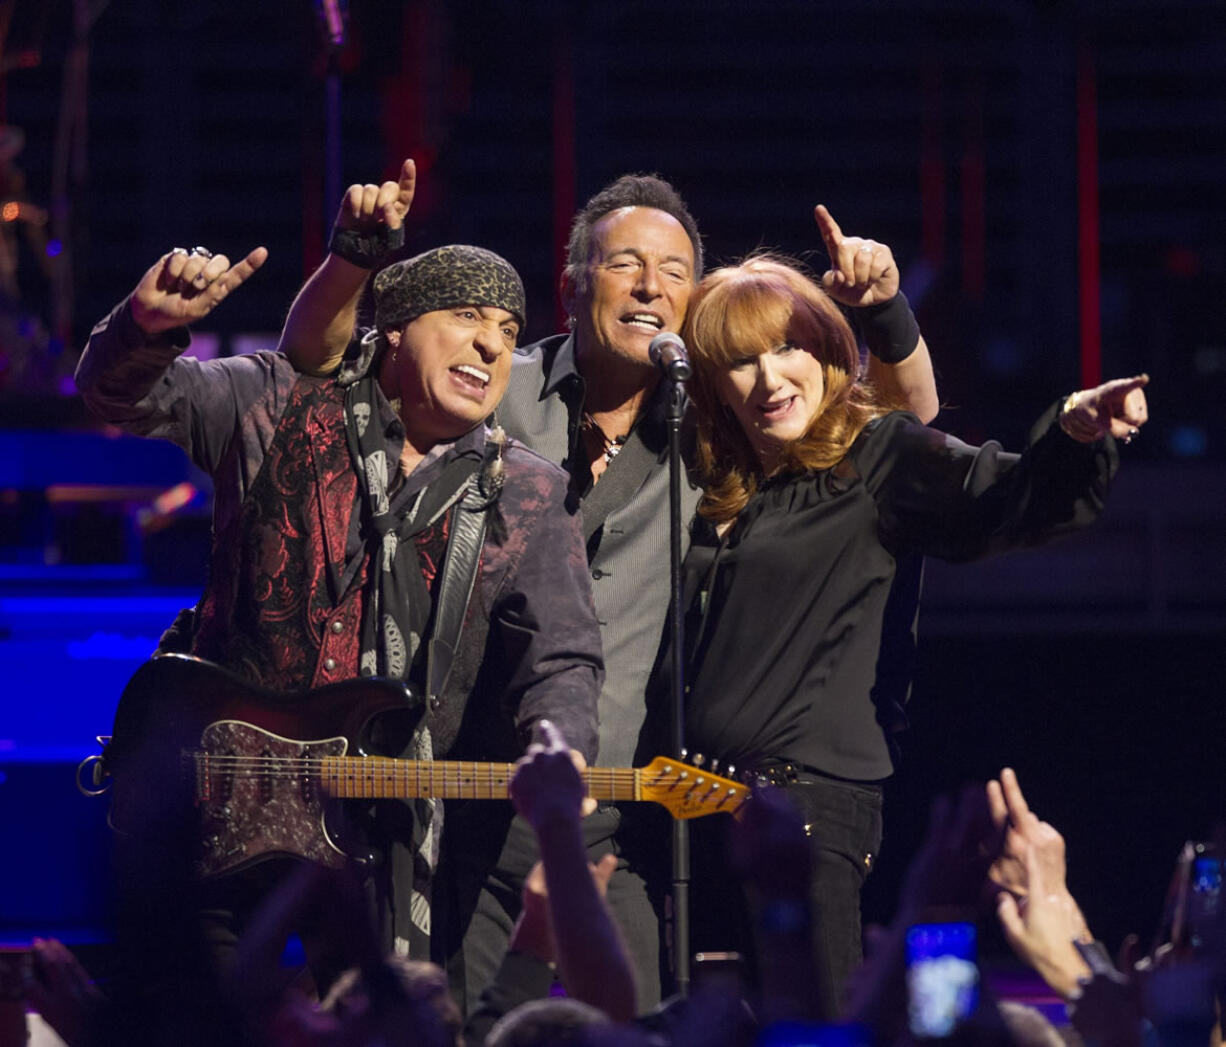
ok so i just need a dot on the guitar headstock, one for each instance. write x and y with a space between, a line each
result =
688 791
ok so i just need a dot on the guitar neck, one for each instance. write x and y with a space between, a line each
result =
382 778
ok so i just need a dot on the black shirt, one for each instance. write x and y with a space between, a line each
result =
786 651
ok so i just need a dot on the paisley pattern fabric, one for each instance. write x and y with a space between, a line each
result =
274 587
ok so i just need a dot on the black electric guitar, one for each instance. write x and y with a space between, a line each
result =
262 770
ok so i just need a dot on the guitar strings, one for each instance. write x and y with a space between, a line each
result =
376 771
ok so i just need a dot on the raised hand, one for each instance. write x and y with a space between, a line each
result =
862 272
365 207
768 847
953 861
533 930
1021 829
1117 407
184 286
1041 930
547 783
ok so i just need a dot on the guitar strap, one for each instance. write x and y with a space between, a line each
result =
459 575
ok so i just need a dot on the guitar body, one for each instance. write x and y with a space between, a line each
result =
199 757
233 774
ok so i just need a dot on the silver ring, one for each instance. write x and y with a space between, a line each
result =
204 252
178 250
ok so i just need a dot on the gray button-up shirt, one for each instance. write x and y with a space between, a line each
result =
628 555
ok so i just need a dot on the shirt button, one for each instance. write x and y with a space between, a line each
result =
435 704
338 626
597 573
329 664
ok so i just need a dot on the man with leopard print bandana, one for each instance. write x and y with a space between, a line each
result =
334 503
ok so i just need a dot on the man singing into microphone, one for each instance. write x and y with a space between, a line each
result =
592 400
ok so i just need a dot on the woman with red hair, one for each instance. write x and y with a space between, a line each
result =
819 494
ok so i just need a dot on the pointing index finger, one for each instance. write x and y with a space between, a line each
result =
238 274
1015 800
408 182
395 198
829 229
548 736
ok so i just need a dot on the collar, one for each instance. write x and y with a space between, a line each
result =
560 365
430 468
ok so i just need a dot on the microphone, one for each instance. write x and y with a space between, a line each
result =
667 352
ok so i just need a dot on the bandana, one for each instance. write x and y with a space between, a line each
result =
446 277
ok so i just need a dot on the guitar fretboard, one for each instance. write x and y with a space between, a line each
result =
377 778
685 790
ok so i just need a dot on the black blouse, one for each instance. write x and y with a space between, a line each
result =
786 649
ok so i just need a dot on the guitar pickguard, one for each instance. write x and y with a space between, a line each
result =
258 795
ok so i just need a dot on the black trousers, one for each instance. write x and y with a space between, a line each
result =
487 855
843 824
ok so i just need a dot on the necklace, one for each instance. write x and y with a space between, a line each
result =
612 444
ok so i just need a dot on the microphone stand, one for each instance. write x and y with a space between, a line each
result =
676 376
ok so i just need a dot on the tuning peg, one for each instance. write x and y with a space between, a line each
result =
715 765
698 760
731 772
685 754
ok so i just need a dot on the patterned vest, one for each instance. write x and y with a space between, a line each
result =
273 610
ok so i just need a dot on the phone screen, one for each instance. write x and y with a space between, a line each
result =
942 977
1204 896
815 1034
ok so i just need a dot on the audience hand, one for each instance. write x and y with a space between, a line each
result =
548 781
768 847
961 844
533 931
1022 830
1041 929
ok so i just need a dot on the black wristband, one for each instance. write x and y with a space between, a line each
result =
365 250
889 329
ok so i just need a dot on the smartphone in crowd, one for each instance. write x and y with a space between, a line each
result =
815 1034
1204 893
942 977
1195 896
